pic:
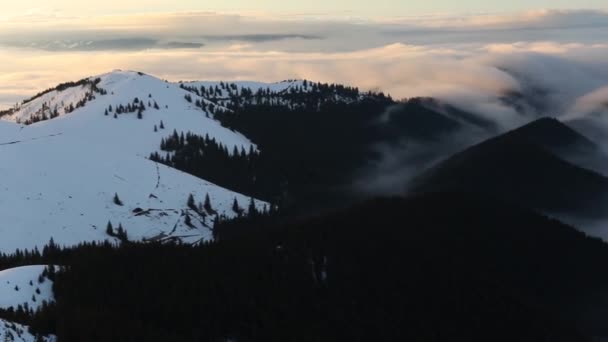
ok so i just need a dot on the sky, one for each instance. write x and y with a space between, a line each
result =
355 7
469 52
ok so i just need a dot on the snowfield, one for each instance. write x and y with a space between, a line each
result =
22 286
58 177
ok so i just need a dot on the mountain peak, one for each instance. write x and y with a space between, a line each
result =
87 141
551 133
526 165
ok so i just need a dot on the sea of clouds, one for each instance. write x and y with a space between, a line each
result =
470 61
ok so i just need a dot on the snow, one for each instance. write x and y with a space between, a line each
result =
58 177
13 332
26 280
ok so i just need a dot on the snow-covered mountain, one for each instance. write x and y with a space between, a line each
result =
60 174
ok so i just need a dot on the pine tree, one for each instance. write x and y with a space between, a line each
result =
235 206
191 202
253 211
155 128
207 204
110 229
188 221
117 200
115 116
106 113
122 233
162 124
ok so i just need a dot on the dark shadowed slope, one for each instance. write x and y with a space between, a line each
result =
563 141
442 267
523 166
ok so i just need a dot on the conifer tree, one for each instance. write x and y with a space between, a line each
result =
191 202
207 204
121 233
253 211
117 200
110 229
235 206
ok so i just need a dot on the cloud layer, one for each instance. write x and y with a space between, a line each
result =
546 62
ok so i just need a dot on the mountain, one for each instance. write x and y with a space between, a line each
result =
563 141
526 166
66 153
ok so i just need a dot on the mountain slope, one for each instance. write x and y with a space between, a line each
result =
443 267
13 332
520 166
59 176
290 93
24 286
563 141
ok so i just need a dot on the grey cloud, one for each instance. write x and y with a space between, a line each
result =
124 44
260 37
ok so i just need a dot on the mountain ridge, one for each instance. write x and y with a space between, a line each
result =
72 166
521 166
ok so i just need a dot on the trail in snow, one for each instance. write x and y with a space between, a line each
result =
30 139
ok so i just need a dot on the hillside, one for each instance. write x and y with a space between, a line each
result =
24 286
13 332
524 166
442 267
88 142
563 141
290 93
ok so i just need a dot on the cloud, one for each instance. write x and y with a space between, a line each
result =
542 18
258 38
489 64
125 44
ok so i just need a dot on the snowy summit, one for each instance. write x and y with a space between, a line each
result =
83 145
